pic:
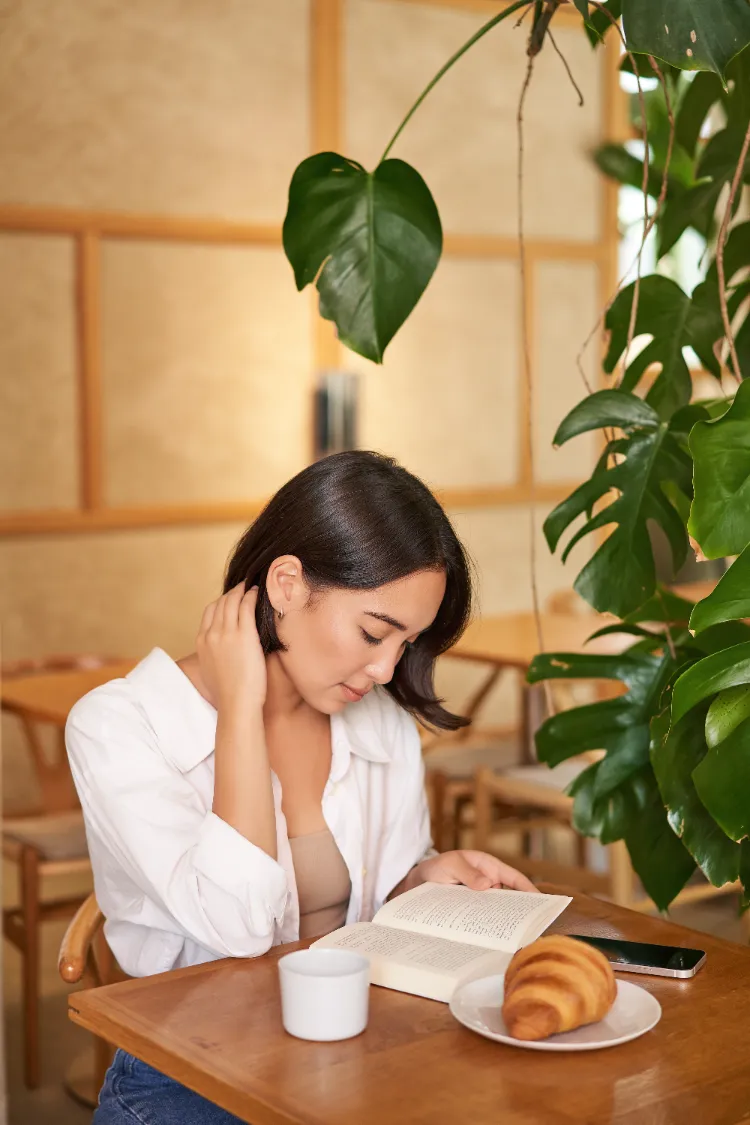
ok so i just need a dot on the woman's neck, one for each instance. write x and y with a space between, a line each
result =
282 698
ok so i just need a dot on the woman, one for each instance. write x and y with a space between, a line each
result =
270 785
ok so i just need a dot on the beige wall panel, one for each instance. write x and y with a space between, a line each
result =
445 402
119 593
463 138
567 308
38 395
457 680
207 364
498 540
154 105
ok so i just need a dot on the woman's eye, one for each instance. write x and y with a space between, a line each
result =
370 639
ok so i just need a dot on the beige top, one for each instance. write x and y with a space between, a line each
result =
323 883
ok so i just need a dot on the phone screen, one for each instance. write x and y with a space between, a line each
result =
668 957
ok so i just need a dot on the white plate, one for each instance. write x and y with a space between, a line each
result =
478 1006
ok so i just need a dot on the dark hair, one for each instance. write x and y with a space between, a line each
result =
356 521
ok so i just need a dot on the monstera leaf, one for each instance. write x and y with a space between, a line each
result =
729 600
617 797
674 321
620 726
369 240
720 513
722 781
690 34
651 454
721 670
676 752
698 100
696 207
596 21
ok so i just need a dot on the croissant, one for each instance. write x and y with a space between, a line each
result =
556 984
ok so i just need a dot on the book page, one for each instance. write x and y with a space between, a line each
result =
494 919
408 962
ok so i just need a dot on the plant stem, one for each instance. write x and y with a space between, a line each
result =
529 384
739 171
446 67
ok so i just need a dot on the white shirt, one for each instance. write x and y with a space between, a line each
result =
178 885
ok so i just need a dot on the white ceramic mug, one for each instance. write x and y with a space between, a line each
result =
324 993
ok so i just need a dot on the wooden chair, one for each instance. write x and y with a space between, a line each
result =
48 842
503 801
451 761
86 957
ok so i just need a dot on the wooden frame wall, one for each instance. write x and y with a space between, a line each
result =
90 228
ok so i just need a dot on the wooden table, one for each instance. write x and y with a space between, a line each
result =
217 1028
48 697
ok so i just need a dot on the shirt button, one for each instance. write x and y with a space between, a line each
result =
364 872
335 787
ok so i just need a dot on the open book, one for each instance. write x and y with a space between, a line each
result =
427 940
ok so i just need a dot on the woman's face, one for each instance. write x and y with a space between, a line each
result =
341 642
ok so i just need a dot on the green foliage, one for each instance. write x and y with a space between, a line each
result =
674 779
722 781
371 239
674 321
691 34
720 515
648 454
729 601
676 751
618 797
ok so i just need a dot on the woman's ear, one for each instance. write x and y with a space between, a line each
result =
286 586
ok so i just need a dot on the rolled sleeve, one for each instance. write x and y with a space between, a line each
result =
235 866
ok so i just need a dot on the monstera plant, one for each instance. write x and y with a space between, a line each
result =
673 778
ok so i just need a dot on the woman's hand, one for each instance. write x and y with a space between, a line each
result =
230 655
474 869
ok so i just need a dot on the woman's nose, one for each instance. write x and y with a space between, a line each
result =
382 672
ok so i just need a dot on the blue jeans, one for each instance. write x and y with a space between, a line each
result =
135 1094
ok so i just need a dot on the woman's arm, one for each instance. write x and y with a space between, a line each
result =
150 836
233 668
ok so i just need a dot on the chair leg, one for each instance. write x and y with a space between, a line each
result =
438 781
620 873
30 960
482 808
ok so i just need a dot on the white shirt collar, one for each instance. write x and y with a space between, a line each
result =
185 722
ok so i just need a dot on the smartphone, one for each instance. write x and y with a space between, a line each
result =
642 957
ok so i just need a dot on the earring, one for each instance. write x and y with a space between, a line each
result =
280 614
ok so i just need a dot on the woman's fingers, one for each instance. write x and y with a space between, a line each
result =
232 602
499 872
207 618
453 867
247 607
226 609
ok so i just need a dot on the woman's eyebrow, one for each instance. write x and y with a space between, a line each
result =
388 620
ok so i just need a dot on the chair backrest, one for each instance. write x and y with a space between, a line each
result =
51 768
84 951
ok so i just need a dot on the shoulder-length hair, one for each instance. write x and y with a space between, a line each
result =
356 521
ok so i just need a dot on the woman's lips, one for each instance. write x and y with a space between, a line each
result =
352 695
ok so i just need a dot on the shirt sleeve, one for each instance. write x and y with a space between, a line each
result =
145 818
407 838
